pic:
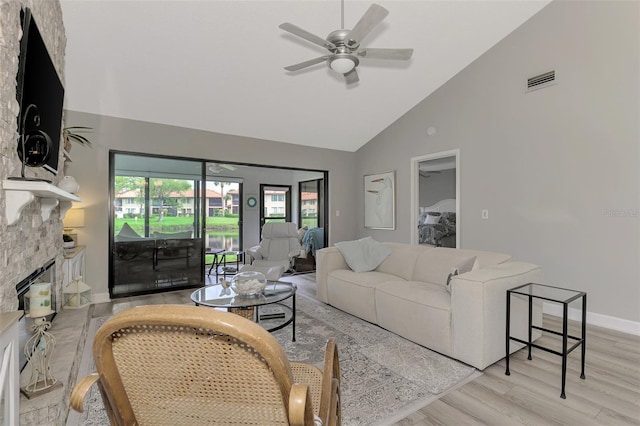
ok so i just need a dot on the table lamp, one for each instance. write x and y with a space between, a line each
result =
73 219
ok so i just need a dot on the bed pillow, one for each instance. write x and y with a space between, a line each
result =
470 264
363 255
432 218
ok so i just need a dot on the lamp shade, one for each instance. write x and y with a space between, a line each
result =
74 219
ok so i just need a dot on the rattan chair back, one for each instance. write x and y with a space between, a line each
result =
173 364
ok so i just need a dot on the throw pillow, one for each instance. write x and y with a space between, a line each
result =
127 234
363 255
470 264
432 218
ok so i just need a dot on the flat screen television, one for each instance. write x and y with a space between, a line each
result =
39 92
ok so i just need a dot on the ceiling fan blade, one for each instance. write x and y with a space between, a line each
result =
308 63
373 53
352 76
371 18
295 30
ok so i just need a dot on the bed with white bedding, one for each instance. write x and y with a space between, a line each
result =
437 224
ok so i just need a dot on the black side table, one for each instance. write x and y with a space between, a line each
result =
556 295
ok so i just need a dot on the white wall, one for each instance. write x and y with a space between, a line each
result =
90 167
558 168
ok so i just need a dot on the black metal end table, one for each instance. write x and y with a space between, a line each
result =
556 295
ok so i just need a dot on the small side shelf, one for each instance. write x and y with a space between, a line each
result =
20 193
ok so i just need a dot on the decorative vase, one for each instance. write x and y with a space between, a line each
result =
69 184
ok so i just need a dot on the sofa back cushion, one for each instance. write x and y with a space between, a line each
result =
435 265
402 260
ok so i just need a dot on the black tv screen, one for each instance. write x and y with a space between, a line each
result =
39 85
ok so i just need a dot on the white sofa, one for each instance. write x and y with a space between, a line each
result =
407 294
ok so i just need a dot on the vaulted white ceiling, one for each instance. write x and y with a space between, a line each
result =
218 65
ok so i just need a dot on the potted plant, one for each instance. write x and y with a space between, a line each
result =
73 133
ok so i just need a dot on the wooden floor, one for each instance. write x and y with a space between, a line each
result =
609 395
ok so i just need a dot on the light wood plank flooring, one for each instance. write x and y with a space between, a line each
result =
610 394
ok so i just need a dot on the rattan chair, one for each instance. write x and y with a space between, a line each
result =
188 365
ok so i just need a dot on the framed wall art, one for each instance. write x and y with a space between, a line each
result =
380 200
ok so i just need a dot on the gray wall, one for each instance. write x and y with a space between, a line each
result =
437 187
557 168
90 167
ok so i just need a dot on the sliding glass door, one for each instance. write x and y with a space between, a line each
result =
311 205
170 214
155 229
223 213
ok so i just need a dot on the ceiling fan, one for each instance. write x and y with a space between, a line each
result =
344 45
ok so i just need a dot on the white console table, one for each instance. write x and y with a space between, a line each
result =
9 374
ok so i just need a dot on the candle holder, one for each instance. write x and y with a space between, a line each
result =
39 352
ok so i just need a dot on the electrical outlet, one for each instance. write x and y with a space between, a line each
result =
485 214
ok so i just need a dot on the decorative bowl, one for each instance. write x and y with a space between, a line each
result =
249 283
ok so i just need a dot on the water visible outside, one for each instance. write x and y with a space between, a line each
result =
220 240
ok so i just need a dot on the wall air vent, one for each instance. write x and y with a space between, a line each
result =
541 81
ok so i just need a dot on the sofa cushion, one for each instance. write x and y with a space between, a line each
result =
363 255
173 235
355 292
435 265
419 311
402 259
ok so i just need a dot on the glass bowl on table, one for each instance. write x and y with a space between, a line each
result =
249 283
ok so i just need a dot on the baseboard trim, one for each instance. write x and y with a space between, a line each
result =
100 298
605 321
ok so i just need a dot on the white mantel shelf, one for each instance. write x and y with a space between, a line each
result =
20 193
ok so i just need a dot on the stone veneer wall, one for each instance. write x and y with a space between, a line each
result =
29 243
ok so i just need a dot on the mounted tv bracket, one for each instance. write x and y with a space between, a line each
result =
34 146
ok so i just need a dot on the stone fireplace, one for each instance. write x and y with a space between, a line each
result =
32 242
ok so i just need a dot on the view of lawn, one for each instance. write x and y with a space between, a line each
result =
176 224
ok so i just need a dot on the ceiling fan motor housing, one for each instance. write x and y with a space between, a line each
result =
343 60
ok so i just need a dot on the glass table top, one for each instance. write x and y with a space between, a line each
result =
218 297
547 292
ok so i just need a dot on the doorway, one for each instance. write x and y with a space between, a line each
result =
435 199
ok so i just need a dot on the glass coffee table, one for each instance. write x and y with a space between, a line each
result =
266 308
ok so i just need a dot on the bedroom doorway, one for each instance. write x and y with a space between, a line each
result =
435 199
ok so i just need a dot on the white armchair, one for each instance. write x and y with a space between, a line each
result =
276 252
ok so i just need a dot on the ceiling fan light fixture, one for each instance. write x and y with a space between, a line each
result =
343 63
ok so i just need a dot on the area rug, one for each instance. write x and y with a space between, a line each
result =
384 377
